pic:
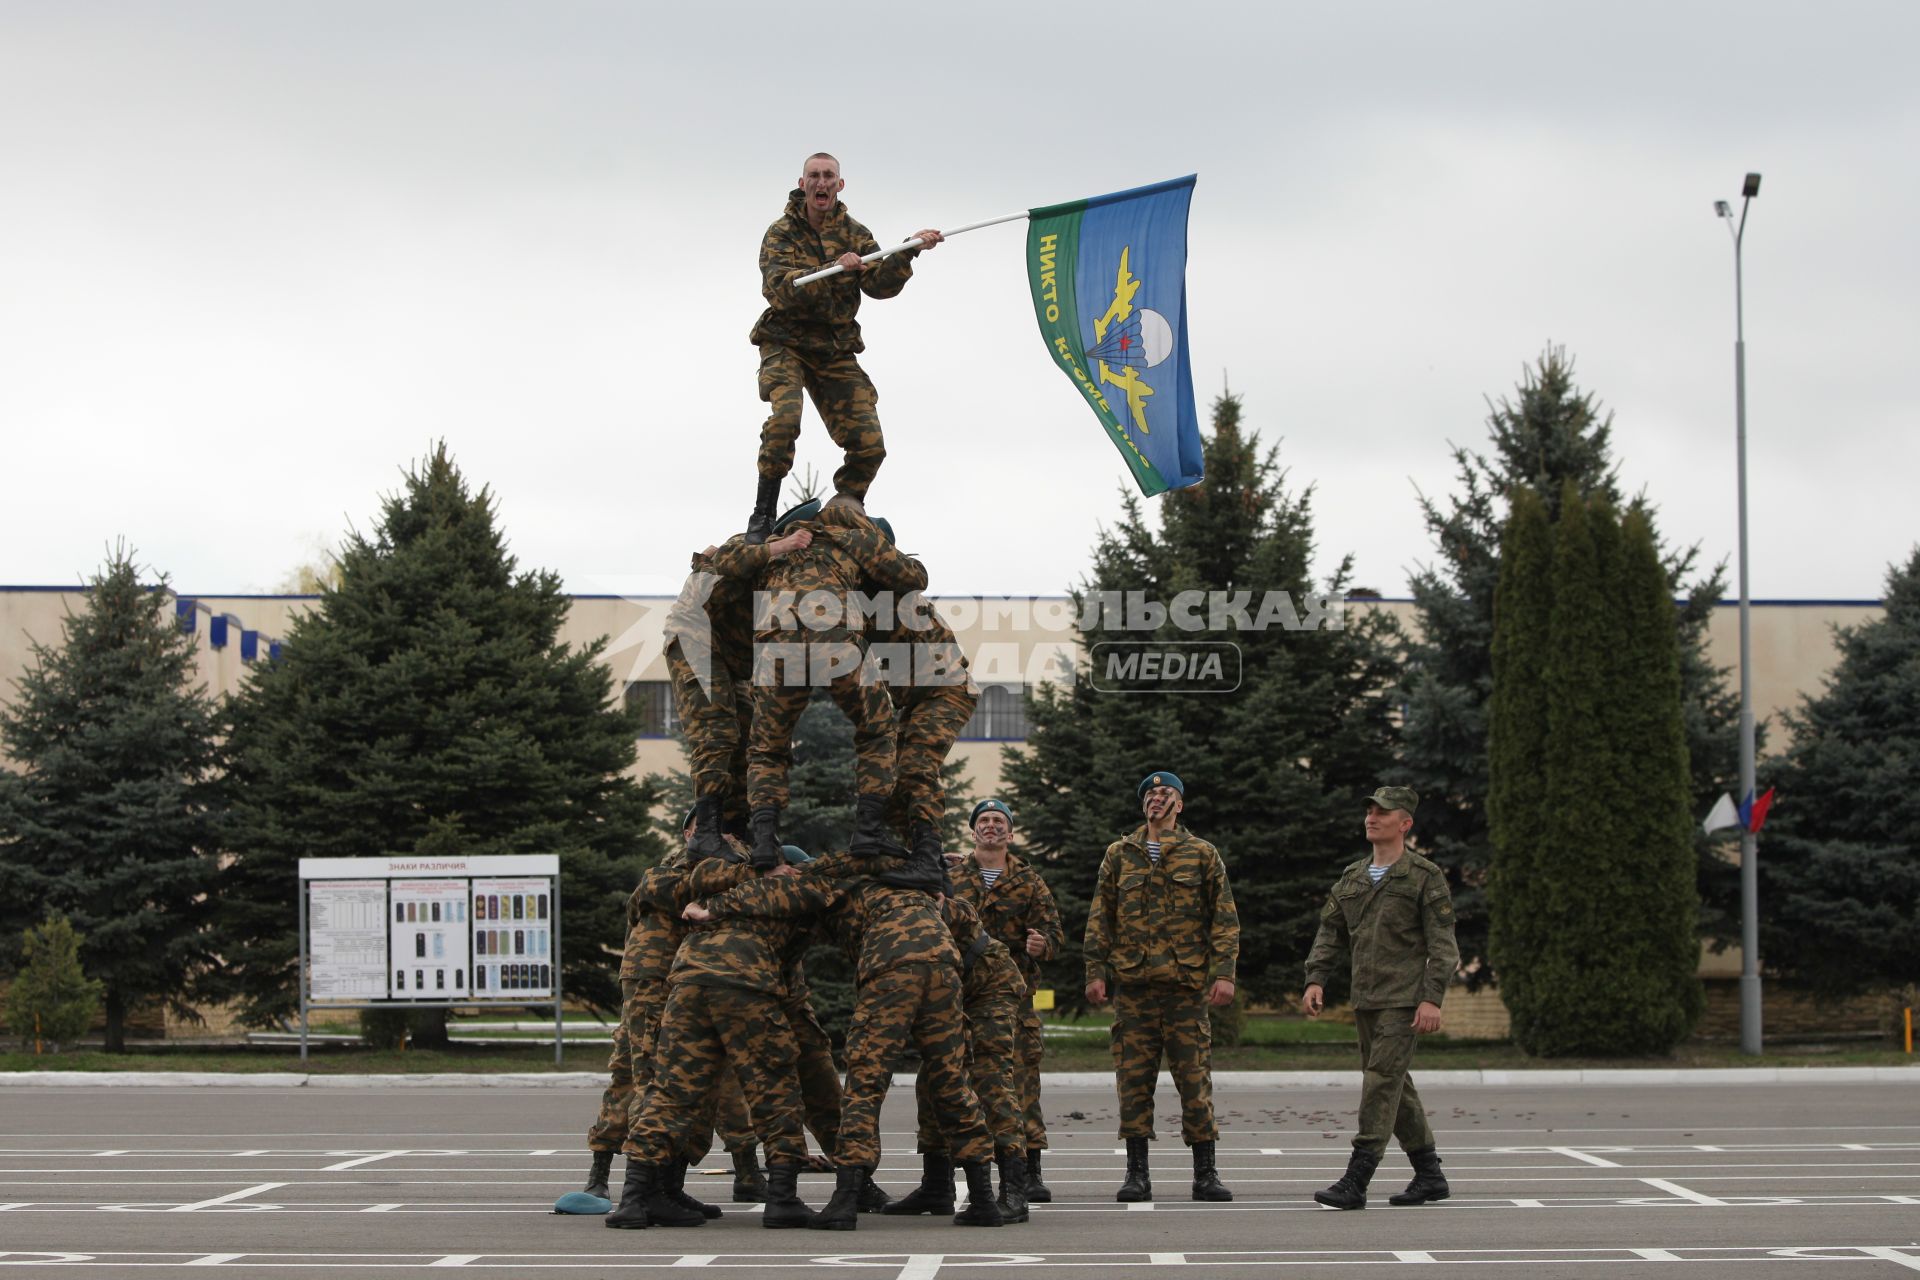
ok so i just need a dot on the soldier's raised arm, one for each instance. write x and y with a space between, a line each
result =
882 562
777 897
887 277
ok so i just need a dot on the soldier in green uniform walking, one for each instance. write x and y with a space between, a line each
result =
809 338
1162 942
1393 915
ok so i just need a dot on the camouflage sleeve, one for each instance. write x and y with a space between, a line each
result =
740 561
1224 943
881 561
1098 943
780 265
657 889
962 921
1330 945
777 898
887 277
712 876
1443 952
1045 917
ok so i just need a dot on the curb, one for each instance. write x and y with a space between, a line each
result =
1492 1078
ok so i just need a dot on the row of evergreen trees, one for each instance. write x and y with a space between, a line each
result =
1557 711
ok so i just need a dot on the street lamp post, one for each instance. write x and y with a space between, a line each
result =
1749 853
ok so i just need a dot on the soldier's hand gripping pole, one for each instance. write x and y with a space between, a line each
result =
905 245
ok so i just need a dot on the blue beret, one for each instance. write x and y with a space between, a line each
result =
885 526
1161 779
805 511
795 855
581 1202
997 805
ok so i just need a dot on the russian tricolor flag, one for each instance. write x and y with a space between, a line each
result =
1753 813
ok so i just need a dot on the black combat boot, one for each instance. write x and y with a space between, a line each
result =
1013 1185
760 523
765 822
871 839
1206 1179
749 1184
670 1189
1428 1182
1038 1192
734 824
926 843
597 1175
1351 1191
631 1213
707 841
873 1197
935 1192
1138 1185
843 1211
981 1211
785 1208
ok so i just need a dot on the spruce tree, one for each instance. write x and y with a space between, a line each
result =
111 818
52 999
1840 854
1547 434
1592 892
1277 771
428 701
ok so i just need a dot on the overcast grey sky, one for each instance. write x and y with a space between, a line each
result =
255 257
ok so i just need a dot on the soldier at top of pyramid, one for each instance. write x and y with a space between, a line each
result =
809 338
709 652
809 633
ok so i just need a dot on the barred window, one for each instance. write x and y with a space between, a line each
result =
1000 715
653 699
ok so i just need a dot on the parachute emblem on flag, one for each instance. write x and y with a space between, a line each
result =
1133 338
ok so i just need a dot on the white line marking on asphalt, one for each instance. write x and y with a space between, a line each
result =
695 1260
456 1260
921 1266
1167 1259
1413 1255
1145 1206
1657 1255
229 1198
101 1155
212 1259
1855 1146
1707 1148
1887 1253
1582 1156
355 1164
1529 1204
382 1208
1675 1189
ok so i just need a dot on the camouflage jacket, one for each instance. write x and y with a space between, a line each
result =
919 651
750 952
713 616
882 928
819 317
1174 922
848 553
987 970
654 938
1018 901
1398 933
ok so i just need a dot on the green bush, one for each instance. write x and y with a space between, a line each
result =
52 998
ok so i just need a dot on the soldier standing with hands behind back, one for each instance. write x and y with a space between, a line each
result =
1393 914
1162 941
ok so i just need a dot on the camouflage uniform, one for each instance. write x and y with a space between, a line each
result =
653 938
992 992
933 698
808 338
1018 901
1159 936
723 1008
847 551
1399 934
908 980
709 652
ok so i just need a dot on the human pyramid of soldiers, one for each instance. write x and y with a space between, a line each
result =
717 1030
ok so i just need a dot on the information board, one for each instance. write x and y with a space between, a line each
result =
348 931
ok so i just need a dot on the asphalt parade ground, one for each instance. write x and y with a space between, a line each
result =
1548 1180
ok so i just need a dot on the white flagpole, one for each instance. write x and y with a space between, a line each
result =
836 268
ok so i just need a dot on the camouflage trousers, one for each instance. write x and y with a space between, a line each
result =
847 403
917 1005
929 724
716 719
703 1031
631 1070
818 1076
1029 1049
1389 1104
992 1024
781 694
1156 1019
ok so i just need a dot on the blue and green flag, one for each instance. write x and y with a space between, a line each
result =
1109 277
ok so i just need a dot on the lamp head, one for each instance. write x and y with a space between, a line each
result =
1722 209
1752 188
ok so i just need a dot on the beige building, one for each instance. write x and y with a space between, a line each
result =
1012 642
